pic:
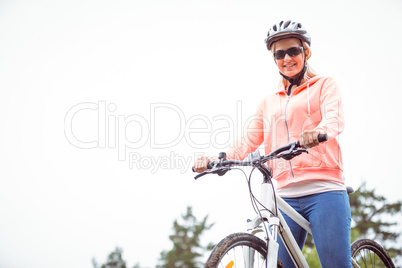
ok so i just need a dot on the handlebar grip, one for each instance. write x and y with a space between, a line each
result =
322 137
210 165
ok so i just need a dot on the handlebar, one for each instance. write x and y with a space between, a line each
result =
287 152
321 138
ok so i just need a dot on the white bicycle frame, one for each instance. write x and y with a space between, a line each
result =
277 224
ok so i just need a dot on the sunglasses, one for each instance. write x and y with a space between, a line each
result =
292 52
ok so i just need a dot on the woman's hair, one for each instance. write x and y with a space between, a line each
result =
310 71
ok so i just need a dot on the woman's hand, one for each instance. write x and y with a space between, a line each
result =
201 163
309 138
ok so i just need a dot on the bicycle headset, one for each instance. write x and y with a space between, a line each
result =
289 29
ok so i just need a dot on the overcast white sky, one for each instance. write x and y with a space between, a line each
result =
100 100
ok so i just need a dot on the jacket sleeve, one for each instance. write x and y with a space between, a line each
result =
332 122
252 138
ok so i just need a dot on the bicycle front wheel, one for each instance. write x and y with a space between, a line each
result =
239 250
368 253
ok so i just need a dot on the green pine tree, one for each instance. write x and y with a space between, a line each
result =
372 215
114 260
186 242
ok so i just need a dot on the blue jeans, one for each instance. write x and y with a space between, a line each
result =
329 216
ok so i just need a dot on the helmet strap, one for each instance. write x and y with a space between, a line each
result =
295 80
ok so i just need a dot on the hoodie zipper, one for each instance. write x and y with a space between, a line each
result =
287 131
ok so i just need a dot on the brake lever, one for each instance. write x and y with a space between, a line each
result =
291 155
292 152
200 175
220 171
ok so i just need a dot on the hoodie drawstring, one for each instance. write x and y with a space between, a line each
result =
308 99
279 101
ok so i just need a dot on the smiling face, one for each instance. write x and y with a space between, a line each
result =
289 66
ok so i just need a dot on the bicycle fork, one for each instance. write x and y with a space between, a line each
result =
267 201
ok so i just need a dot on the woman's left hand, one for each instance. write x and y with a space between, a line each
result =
309 138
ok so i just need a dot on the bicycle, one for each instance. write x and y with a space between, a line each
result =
248 250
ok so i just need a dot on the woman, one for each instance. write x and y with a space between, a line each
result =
304 106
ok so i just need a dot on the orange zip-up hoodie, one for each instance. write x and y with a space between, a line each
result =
280 119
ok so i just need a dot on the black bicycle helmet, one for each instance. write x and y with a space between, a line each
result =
287 29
